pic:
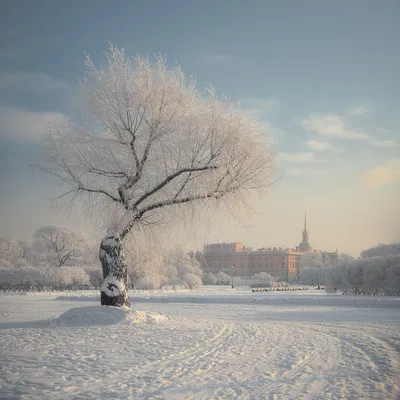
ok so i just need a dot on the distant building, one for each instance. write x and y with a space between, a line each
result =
281 263
278 262
328 257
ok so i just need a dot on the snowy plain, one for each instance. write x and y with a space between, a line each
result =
213 343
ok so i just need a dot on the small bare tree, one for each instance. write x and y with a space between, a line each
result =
57 246
161 148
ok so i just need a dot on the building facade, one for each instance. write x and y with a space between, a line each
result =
278 262
281 263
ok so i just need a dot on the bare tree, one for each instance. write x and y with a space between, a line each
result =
57 246
11 250
162 148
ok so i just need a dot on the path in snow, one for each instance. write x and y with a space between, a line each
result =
204 351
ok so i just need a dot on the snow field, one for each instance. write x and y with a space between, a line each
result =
202 351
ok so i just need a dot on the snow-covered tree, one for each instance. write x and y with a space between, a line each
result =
162 149
368 276
218 278
10 250
311 260
57 246
381 250
345 258
178 264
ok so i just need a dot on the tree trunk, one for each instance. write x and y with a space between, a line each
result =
114 289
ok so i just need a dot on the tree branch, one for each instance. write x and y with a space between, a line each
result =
214 194
169 179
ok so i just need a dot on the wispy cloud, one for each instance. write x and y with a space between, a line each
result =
23 125
383 143
335 126
296 157
321 146
359 110
383 174
39 82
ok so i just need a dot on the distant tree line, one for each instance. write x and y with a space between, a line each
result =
60 259
376 272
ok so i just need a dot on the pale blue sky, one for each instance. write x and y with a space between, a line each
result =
322 76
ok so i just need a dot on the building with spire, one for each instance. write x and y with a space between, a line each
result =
305 246
328 257
281 263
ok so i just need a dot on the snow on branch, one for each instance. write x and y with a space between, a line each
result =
161 143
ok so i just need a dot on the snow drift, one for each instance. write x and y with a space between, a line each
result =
100 315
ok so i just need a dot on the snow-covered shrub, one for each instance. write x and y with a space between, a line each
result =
209 278
150 282
381 250
217 278
39 278
9 248
5 264
261 279
368 276
192 280
176 264
314 275
71 277
174 284
95 275
20 262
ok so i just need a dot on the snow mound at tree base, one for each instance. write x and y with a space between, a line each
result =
106 315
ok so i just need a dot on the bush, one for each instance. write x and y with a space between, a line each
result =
151 282
26 279
192 280
369 276
95 275
174 284
218 278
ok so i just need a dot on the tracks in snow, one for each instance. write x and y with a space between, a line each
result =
215 356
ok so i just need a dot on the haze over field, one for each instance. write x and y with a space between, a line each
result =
321 78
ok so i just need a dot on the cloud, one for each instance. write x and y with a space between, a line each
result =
334 126
385 173
297 157
28 81
23 125
359 110
321 146
383 143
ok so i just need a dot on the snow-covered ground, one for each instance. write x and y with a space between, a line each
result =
210 344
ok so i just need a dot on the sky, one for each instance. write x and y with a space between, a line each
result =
322 77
